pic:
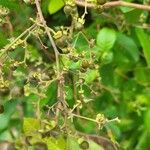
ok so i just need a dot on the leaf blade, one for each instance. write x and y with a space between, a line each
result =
106 39
145 43
55 6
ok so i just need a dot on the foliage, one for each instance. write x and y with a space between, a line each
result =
65 79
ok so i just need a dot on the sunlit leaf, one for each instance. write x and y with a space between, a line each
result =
30 125
54 6
106 39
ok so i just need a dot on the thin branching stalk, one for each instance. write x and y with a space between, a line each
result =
48 34
60 90
8 47
114 4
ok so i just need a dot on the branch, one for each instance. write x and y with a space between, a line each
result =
114 4
60 90
19 37
48 33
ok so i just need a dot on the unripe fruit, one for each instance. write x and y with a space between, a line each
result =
85 64
61 42
78 26
70 10
84 145
67 9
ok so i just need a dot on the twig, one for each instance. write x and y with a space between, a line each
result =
85 118
19 37
60 90
94 120
114 4
48 34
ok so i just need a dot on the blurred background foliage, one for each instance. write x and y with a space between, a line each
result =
123 45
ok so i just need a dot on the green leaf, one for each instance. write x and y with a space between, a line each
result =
91 75
127 47
106 39
30 125
142 76
5 121
11 4
143 141
94 146
54 6
147 120
51 144
145 43
132 16
126 9
69 95
107 57
72 144
5 136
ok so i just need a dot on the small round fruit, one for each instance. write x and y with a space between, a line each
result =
85 64
78 26
67 9
84 145
61 42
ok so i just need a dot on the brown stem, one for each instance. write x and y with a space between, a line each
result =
48 34
114 4
60 90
